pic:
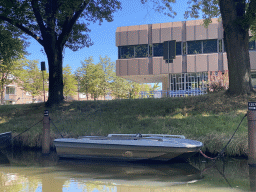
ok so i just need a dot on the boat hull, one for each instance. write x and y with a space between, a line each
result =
124 150
5 139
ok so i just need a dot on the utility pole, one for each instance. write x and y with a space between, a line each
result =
43 69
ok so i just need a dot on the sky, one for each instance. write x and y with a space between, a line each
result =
133 12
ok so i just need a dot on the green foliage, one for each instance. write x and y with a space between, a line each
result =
66 18
69 81
100 79
91 78
109 73
57 24
31 78
209 8
120 88
161 5
11 49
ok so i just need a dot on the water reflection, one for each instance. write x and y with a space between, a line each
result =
31 171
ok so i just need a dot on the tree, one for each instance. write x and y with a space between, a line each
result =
55 24
11 49
237 17
91 78
69 82
109 73
30 78
120 88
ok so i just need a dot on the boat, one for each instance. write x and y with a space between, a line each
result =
129 147
5 139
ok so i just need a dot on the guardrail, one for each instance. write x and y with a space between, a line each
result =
174 93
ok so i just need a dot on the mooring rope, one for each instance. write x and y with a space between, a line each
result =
27 129
224 148
55 127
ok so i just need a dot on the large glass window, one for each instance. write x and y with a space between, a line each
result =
141 51
126 52
158 49
210 46
10 90
194 47
178 48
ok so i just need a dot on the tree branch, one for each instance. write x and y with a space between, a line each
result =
68 25
38 16
21 27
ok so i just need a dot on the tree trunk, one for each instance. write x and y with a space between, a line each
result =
236 41
2 96
54 56
2 89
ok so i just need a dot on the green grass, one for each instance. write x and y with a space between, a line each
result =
211 119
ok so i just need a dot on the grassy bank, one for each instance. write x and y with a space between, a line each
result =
210 119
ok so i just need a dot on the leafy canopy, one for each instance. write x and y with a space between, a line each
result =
66 20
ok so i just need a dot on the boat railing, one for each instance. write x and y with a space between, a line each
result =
149 136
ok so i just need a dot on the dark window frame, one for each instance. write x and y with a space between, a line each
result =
8 90
191 48
210 51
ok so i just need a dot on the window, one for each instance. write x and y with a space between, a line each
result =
194 47
158 49
10 76
141 51
82 95
10 90
125 52
210 46
28 94
178 48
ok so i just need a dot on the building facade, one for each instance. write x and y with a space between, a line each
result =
199 50
14 94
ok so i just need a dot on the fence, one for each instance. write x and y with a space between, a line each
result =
182 85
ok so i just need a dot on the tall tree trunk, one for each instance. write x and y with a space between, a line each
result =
236 40
55 75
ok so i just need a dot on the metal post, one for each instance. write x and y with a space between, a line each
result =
46 133
251 116
43 69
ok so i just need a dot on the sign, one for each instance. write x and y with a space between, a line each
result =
42 66
251 105
46 113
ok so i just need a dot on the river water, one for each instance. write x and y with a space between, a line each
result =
30 171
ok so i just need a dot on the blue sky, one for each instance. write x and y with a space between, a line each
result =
133 12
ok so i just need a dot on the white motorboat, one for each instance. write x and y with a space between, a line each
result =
5 139
128 147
